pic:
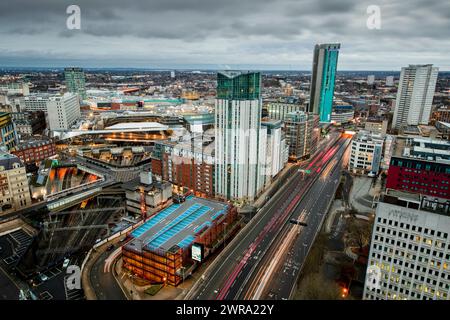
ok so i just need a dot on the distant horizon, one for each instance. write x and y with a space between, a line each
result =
218 35
203 68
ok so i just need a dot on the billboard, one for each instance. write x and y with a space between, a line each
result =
197 252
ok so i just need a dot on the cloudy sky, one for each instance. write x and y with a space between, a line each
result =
263 34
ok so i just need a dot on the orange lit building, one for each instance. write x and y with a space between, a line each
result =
170 244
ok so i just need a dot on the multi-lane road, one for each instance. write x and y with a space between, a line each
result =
278 271
232 275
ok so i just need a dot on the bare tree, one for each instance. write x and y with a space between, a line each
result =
359 231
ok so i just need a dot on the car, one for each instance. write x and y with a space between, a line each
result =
66 263
36 281
43 277
110 247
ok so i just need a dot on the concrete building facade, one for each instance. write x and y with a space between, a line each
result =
239 140
302 134
14 188
366 153
415 95
63 111
409 256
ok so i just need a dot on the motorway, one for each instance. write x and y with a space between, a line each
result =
228 276
276 276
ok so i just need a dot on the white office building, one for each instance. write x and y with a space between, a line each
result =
409 256
389 81
370 79
366 153
277 150
63 111
415 95
339 117
240 143
36 102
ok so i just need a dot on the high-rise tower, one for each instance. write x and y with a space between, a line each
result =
75 81
240 141
322 82
415 95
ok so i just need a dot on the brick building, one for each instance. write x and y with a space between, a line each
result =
36 150
187 164
421 165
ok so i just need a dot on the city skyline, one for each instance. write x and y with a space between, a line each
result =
210 150
173 34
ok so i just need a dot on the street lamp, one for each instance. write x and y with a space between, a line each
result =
344 292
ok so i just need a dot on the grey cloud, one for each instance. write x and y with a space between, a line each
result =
279 31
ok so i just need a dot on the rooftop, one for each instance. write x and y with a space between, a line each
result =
138 126
271 123
427 149
177 225
23 145
234 73
416 201
368 136
200 144
8 160
136 185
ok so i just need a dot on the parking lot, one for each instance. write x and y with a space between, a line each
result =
55 287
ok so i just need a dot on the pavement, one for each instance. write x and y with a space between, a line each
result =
362 193
336 207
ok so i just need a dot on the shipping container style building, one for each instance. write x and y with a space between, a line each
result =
170 244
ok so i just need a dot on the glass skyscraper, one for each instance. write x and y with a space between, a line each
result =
240 140
75 82
322 82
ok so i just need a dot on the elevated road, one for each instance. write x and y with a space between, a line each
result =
227 277
276 275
